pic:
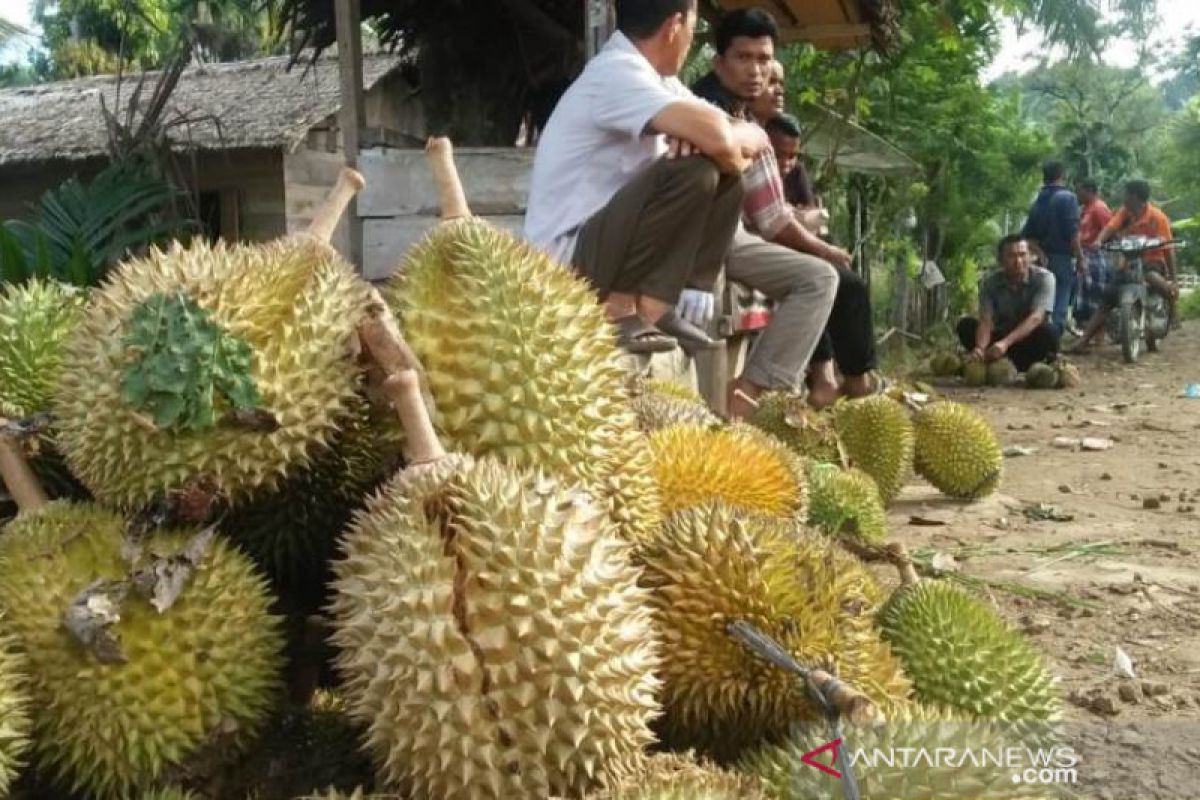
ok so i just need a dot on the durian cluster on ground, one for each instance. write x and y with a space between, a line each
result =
319 539
1061 374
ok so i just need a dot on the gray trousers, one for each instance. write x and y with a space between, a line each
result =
803 288
668 228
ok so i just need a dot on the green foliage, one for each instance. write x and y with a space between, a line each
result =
77 232
182 360
1189 305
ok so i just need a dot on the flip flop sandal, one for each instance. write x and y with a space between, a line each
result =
689 336
635 335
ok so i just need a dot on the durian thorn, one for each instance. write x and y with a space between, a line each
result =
22 484
451 197
403 389
349 183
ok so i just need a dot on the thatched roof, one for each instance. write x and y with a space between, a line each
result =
831 24
260 104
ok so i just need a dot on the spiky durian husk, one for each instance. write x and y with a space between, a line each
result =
533 374
711 566
14 713
791 420
957 450
961 654
210 660
845 503
737 464
493 637
669 776
655 412
946 770
295 302
36 320
291 532
877 435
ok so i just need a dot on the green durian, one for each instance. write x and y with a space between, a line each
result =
957 450
1001 372
922 752
790 419
1041 376
845 503
113 722
877 436
1068 376
975 373
281 317
944 365
713 565
736 464
493 637
36 320
661 404
962 655
14 712
534 375
670 776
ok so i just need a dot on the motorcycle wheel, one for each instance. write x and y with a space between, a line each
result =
1130 320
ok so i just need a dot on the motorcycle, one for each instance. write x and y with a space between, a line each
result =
1141 314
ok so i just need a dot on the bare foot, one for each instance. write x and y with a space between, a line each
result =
857 386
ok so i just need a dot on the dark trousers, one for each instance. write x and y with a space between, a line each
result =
668 228
850 333
1040 345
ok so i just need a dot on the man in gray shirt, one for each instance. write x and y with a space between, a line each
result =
1015 304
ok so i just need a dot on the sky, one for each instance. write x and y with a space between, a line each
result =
1019 52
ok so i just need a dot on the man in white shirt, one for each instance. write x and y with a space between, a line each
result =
637 183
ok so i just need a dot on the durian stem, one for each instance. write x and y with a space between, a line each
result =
852 704
381 337
349 183
451 197
404 390
22 484
898 555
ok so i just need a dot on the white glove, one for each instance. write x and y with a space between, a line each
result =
696 306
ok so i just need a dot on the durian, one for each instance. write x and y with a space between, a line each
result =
944 365
877 436
14 713
1001 372
1068 376
846 503
711 566
975 373
738 464
957 450
790 419
533 375
493 636
661 404
36 320
923 752
962 655
668 776
111 719
229 361
1041 376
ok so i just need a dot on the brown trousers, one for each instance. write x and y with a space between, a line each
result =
668 228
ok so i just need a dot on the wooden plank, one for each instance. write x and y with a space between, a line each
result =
387 241
399 182
231 214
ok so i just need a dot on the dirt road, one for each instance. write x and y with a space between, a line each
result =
1110 542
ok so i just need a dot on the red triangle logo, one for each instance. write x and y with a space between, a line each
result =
810 758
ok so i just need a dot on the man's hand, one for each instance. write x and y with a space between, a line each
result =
680 148
997 350
696 307
751 138
976 354
838 257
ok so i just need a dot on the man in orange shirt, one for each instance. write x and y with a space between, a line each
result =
1137 217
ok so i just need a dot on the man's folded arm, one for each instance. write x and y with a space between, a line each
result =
728 142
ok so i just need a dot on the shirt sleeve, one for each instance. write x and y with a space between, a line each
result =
631 96
763 204
1044 299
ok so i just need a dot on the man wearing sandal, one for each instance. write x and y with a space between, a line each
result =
773 252
637 183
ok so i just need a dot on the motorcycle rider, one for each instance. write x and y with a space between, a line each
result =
1137 217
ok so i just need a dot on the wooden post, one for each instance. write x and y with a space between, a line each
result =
598 24
351 117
